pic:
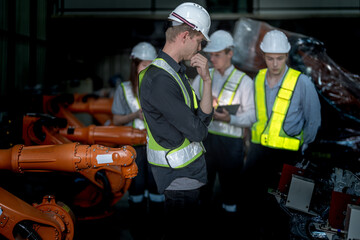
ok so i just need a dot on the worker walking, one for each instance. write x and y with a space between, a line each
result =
176 120
143 194
287 120
224 144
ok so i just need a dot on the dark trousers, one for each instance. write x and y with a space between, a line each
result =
259 210
145 215
182 214
224 156
144 179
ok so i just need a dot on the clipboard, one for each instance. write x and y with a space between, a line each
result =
232 109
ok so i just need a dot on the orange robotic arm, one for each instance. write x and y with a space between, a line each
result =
92 106
71 157
48 220
106 184
117 165
41 129
99 108
106 134
56 106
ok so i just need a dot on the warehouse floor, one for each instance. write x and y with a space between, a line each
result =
114 227
121 225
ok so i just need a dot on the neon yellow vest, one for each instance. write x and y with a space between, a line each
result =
271 133
226 97
188 151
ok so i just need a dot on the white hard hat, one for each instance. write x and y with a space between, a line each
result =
143 51
219 40
275 41
194 16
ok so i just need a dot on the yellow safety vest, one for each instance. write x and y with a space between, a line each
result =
188 151
271 133
226 97
133 102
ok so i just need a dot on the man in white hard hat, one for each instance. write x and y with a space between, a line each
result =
176 120
224 144
287 120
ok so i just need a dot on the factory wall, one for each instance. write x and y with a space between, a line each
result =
47 44
22 43
101 47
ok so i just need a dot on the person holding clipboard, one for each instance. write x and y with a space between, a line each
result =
233 99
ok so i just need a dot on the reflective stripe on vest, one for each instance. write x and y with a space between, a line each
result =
271 134
133 103
226 97
188 151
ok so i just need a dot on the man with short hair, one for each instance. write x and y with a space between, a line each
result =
176 120
224 144
287 120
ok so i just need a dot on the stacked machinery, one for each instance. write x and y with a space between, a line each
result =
62 146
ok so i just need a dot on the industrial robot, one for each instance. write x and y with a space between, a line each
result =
51 219
40 129
65 105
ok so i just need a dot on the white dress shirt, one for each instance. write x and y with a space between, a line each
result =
245 116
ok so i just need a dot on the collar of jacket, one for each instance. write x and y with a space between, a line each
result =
180 68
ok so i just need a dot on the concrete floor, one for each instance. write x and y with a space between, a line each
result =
114 227
121 225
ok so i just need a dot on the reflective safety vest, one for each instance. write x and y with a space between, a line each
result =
271 133
226 97
133 103
188 151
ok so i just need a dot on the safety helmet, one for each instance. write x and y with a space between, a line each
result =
275 41
143 51
219 40
193 15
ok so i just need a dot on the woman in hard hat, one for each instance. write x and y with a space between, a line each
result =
224 144
177 121
287 120
127 112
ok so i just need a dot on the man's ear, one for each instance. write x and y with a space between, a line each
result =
183 35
